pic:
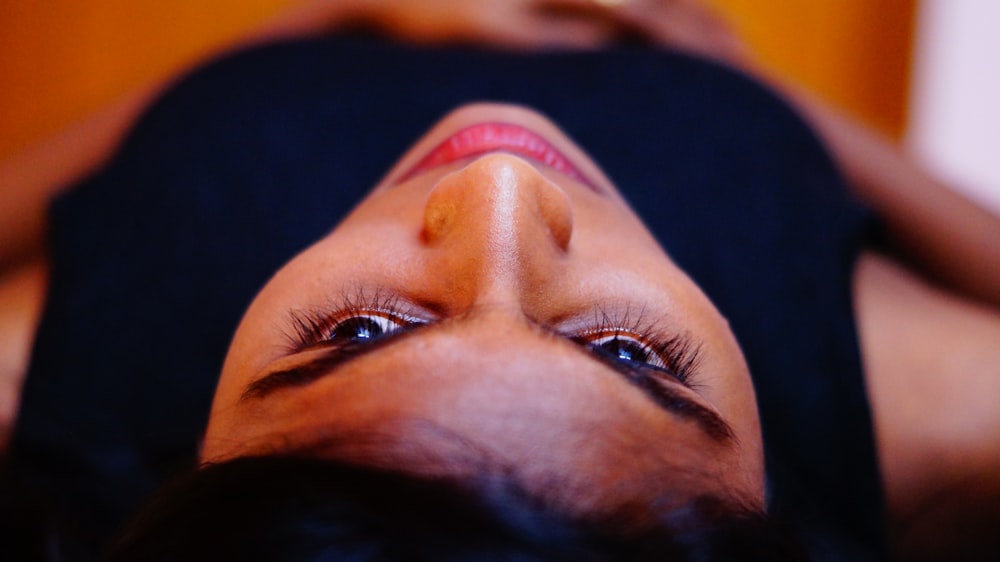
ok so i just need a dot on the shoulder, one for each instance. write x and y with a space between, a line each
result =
22 293
932 362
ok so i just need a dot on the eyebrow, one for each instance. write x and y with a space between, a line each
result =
664 394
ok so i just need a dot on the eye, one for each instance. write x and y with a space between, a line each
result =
365 327
624 347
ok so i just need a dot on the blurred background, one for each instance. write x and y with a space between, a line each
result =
924 72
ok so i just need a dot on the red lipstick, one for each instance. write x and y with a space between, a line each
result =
491 137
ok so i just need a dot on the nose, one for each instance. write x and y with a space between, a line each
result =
499 227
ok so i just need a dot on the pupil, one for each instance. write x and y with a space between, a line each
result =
626 350
357 329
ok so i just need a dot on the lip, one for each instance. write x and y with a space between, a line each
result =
483 138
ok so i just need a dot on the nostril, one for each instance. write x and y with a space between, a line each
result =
439 219
556 210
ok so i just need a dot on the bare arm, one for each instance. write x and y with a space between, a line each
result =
948 238
932 364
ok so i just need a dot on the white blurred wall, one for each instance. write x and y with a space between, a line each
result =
954 124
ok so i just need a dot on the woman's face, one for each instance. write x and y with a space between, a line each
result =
494 304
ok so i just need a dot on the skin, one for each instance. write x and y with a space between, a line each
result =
489 249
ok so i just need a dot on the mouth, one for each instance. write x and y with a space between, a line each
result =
484 138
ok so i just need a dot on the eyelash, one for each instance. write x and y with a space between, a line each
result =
679 354
313 326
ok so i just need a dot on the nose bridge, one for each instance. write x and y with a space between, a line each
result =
500 226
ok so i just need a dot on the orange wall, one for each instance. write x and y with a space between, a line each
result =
856 53
62 59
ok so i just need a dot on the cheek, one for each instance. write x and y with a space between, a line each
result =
381 251
611 221
737 398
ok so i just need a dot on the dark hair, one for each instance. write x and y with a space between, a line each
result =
296 509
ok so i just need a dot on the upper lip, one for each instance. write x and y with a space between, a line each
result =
483 138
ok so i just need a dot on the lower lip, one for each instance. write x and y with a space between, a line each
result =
492 137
